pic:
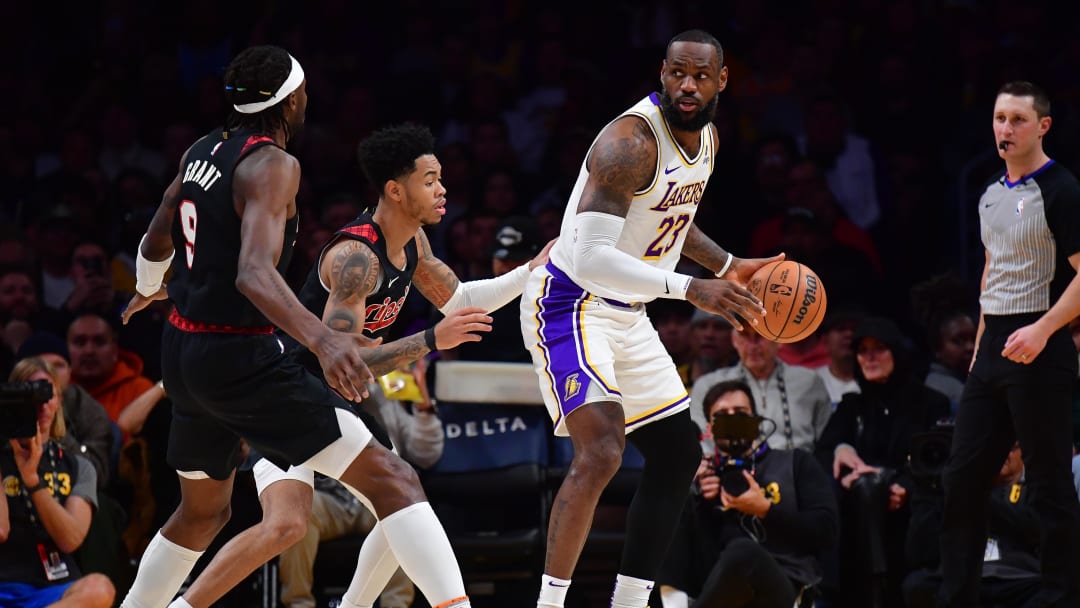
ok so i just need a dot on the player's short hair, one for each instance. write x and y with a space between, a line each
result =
253 76
698 36
1022 88
391 152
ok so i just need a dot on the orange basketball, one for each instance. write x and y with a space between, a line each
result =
794 301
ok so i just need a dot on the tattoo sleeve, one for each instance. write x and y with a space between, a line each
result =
435 280
385 358
354 274
704 250
623 162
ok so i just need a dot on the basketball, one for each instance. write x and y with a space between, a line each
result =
794 301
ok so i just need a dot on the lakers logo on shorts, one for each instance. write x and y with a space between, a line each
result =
571 387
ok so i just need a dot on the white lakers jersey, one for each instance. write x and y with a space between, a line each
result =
660 215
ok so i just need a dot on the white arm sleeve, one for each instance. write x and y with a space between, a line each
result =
489 294
149 274
597 260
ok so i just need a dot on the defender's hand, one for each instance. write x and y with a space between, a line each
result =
340 355
727 299
461 326
139 302
542 257
742 271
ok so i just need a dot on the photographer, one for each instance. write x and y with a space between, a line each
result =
50 496
1010 569
751 534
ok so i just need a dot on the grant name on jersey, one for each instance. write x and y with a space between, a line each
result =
202 172
690 194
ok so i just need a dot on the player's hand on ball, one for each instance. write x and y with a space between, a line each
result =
462 325
139 302
727 299
743 269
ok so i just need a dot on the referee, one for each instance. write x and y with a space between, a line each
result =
1020 385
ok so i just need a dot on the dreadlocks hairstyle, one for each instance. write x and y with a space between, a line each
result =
251 77
702 37
391 152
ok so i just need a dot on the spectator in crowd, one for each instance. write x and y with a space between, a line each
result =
954 346
49 500
89 430
57 237
866 445
1010 569
672 321
710 343
837 331
752 532
793 398
111 375
516 242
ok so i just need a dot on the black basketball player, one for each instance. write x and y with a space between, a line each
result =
360 284
225 370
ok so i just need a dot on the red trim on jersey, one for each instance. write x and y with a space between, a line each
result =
198 327
366 231
254 139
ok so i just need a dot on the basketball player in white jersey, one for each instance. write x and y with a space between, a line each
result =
602 368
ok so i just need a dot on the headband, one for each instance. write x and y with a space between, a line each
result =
296 76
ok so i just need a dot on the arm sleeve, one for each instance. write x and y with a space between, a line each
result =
596 259
489 294
814 527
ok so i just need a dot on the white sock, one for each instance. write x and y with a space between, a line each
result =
552 592
163 568
180 602
631 592
673 598
422 549
374 568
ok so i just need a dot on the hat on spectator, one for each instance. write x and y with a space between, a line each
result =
43 343
517 239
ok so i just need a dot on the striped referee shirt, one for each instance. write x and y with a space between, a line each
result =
1030 227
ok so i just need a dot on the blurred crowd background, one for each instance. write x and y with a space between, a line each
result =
854 135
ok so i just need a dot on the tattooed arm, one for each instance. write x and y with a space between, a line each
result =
352 271
442 288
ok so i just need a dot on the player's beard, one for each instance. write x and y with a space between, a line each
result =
704 115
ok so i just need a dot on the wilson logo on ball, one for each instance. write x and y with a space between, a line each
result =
808 298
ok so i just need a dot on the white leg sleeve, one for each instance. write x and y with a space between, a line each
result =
162 570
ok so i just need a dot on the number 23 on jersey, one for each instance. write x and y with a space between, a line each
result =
667 235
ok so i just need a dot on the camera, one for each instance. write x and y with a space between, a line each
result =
739 431
929 452
19 402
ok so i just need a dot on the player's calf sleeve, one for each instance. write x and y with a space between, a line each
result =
672 454
374 568
162 570
423 550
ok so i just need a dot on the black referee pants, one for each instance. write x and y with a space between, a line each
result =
1002 402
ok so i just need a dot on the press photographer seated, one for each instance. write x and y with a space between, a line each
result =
751 533
50 496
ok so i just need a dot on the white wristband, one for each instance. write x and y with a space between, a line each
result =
727 265
148 273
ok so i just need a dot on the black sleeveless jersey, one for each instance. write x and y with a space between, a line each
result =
206 234
383 305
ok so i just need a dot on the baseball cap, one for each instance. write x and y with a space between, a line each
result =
517 239
43 343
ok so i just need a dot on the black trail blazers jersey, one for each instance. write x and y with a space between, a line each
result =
206 235
382 306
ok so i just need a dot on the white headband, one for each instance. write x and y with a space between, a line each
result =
296 76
